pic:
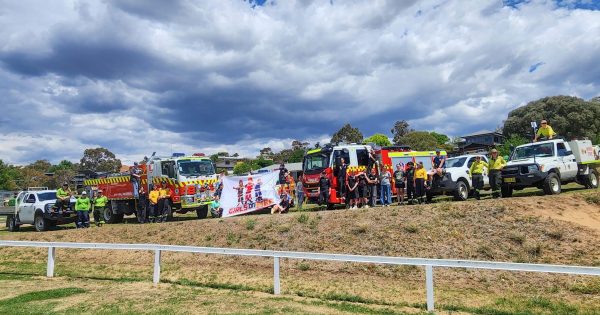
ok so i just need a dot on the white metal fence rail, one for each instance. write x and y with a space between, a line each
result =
276 255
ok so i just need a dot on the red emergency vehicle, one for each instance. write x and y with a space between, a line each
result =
191 180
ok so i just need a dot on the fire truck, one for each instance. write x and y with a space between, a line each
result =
191 180
328 158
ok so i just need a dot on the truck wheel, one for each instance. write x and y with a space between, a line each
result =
462 191
110 217
592 180
202 212
40 223
552 184
507 191
329 206
12 225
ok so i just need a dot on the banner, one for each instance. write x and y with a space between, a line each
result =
244 194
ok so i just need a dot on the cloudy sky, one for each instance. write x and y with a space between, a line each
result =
206 76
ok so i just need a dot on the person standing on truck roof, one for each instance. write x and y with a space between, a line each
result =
420 179
496 165
476 172
372 179
545 131
409 173
153 199
135 175
399 182
82 206
324 185
385 192
63 197
99 205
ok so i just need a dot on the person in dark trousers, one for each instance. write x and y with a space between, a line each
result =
82 206
135 175
142 205
496 165
300 192
282 174
476 172
351 192
420 179
63 198
164 195
342 177
324 185
399 182
372 160
153 203
363 187
373 179
99 204
410 182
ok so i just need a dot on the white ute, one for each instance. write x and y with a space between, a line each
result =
34 206
549 164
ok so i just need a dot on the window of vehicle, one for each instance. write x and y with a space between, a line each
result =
315 162
427 163
455 162
45 196
342 154
30 198
195 167
168 168
537 150
561 149
362 156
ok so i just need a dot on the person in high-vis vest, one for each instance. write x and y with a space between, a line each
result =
496 165
420 182
82 206
545 131
99 206
476 172
63 198
164 194
153 201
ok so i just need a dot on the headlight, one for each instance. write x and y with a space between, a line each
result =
47 207
532 168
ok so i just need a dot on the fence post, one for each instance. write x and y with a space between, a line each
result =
429 287
276 284
51 256
156 277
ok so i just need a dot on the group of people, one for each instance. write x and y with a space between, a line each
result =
83 205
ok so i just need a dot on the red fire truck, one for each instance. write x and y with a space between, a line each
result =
191 180
356 156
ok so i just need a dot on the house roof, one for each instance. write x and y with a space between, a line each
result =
482 132
292 167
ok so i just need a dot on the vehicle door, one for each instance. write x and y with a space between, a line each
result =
468 165
27 208
566 161
486 172
336 158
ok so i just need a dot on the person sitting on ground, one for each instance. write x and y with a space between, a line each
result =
545 131
284 205
215 209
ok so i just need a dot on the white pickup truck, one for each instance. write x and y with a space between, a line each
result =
457 180
549 164
34 206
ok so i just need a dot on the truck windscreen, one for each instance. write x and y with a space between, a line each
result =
537 150
195 167
315 162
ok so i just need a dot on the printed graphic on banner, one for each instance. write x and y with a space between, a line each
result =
244 194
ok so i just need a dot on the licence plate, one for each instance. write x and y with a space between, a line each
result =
510 180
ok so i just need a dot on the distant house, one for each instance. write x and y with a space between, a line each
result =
481 141
228 162
295 169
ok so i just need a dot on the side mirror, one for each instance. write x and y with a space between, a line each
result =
568 152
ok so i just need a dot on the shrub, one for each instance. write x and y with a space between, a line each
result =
411 228
250 224
303 218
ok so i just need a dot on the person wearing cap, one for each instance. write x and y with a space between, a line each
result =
135 175
153 206
545 131
476 172
63 197
99 205
496 164
324 185
163 202
439 163
82 206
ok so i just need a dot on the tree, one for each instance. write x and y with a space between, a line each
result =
61 176
63 165
419 140
400 129
40 166
595 99
570 117
379 139
289 156
100 160
9 175
266 152
261 162
514 141
242 168
31 177
440 138
347 134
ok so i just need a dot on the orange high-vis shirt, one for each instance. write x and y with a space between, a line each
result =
153 196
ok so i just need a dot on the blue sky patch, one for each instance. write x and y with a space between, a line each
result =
534 67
